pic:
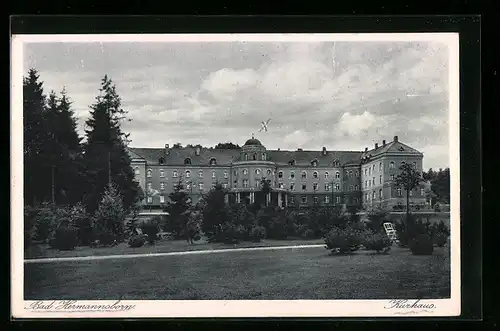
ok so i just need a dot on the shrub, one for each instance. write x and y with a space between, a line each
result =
440 239
308 234
342 240
150 229
45 223
257 233
422 245
137 241
378 242
66 238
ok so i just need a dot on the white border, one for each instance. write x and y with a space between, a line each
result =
240 308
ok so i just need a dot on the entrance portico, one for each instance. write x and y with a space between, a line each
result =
277 197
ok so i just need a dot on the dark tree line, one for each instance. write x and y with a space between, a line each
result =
58 167
440 183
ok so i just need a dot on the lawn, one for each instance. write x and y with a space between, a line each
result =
163 246
288 274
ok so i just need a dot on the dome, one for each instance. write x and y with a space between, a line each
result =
253 141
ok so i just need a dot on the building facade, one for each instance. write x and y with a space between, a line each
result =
297 178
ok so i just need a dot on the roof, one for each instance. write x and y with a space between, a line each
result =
253 141
177 156
392 147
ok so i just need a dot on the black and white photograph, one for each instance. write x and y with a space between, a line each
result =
232 175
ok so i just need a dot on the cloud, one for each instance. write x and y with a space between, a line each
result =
345 95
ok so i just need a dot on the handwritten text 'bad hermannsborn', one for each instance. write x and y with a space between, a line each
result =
73 305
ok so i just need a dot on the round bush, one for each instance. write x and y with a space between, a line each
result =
440 239
66 238
342 240
422 245
137 241
376 242
257 233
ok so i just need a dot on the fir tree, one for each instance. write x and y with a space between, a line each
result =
105 157
37 184
215 212
178 207
110 215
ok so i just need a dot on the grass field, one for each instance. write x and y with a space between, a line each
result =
307 273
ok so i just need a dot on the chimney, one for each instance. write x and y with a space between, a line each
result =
324 150
197 151
366 149
278 148
383 142
395 138
376 145
299 149
167 152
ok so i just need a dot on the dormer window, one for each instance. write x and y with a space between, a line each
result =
336 163
314 163
401 148
187 160
291 162
213 161
161 160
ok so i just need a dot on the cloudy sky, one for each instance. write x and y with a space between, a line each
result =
342 95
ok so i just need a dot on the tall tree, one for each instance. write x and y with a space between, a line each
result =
215 212
37 185
105 157
408 179
178 207
227 146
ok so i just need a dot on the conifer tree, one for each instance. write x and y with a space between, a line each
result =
178 207
110 215
105 157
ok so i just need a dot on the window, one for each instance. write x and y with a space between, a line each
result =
149 173
292 200
245 171
257 183
327 199
355 200
327 187
415 165
213 174
245 182
315 200
292 187
315 174
257 172
280 185
304 175
411 193
326 174
174 173
161 160
188 186
162 186
392 177
224 185
149 186
200 186
373 180
422 192
337 175
399 192
357 173
200 173
188 174
338 199
366 183
269 172
374 195
336 163
263 156
351 187
315 186
356 188
373 168
150 199
292 162
187 161
369 171
280 174
350 174
245 157
380 179
225 174
337 187
213 161
254 156
304 199
137 171
403 163
304 187
162 173
292 174
380 166
366 171
314 163
391 165
162 199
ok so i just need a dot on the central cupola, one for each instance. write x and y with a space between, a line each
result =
253 150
